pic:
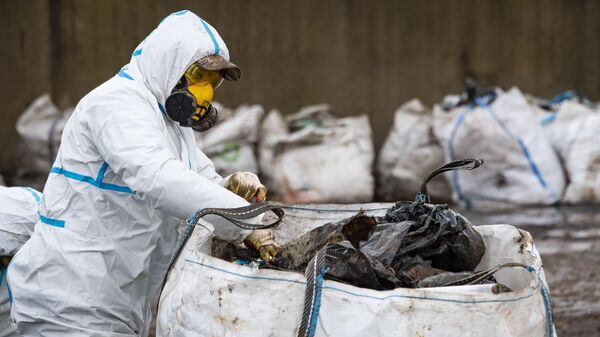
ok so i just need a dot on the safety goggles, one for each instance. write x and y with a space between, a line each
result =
198 75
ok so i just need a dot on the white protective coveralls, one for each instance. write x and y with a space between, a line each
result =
18 215
123 177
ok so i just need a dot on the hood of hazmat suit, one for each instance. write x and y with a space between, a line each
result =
124 177
18 215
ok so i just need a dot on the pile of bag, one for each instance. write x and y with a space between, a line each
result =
40 127
312 156
537 152
231 143
304 157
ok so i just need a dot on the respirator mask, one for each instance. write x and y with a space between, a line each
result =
189 103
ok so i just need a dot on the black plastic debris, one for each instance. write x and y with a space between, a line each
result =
437 234
473 93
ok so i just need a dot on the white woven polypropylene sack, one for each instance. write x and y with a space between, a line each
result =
205 296
521 168
40 127
320 162
409 154
231 143
272 130
574 133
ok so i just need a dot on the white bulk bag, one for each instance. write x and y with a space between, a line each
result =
520 167
409 154
40 127
272 130
206 296
231 143
324 160
573 130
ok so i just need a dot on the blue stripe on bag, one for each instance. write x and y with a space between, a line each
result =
378 298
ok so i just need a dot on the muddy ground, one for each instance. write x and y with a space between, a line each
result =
569 242
571 259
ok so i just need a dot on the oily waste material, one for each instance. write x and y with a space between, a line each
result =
414 245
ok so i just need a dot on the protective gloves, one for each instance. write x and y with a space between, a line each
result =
247 185
264 243
4 261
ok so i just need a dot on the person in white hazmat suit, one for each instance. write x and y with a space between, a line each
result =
18 215
127 172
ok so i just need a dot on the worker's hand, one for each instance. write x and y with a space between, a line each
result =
247 185
264 243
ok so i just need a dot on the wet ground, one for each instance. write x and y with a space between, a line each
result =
569 242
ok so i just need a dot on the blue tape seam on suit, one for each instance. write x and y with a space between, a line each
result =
94 182
98 182
34 193
51 221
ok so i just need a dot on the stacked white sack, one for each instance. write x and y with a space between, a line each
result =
40 127
314 157
409 154
573 131
520 167
231 143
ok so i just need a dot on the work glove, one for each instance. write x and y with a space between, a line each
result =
247 185
4 261
264 243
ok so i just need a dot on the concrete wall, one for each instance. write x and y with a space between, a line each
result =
24 67
361 56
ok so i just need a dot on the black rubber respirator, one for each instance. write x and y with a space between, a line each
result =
190 102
